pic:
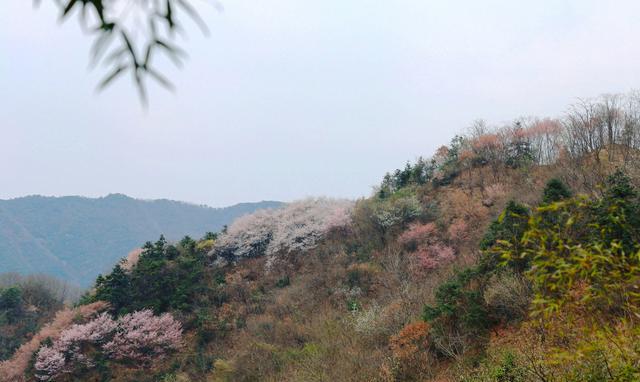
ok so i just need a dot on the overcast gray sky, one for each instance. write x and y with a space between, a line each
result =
291 98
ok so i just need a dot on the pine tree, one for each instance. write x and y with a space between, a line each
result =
554 191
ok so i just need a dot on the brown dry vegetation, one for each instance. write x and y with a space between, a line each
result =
342 313
348 313
352 308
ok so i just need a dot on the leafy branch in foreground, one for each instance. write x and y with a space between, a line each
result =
128 34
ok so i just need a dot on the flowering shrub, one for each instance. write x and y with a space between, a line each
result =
426 249
139 336
366 321
53 360
397 210
50 362
300 225
13 369
434 256
248 236
418 234
295 227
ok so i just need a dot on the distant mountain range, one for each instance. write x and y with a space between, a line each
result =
76 238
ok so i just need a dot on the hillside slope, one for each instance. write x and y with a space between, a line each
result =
75 238
513 254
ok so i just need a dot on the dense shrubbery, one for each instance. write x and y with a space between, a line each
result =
404 235
25 304
138 337
459 317
466 305
426 247
377 221
506 230
462 267
576 262
165 277
555 191
161 277
17 367
585 251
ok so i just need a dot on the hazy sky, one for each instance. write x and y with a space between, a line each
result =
290 98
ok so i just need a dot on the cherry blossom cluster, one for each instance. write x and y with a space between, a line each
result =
14 368
426 248
138 336
296 227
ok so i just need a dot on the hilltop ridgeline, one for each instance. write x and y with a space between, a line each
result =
76 238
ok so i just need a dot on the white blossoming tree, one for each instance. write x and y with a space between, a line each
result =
296 227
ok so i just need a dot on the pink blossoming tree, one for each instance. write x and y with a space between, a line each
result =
142 337
426 250
139 336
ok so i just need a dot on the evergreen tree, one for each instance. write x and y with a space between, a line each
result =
619 186
11 303
115 288
554 191
508 228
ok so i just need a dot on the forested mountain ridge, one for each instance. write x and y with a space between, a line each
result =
75 238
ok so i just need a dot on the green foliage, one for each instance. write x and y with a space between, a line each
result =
606 354
283 282
459 313
619 211
459 302
554 191
449 169
510 225
582 251
619 186
464 309
11 304
205 245
423 171
377 220
115 288
412 175
26 303
504 367
506 230
471 302
519 152
577 251
127 48
353 305
509 370
210 236
166 277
